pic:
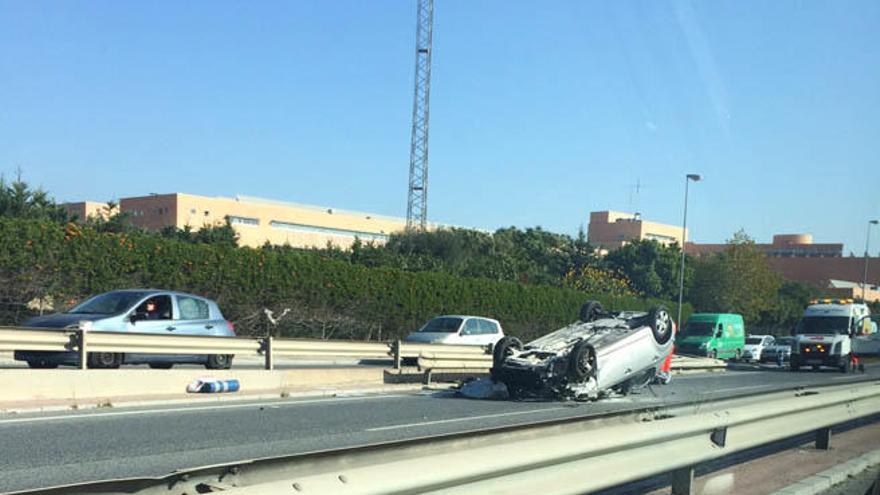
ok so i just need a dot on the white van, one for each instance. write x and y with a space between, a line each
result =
824 334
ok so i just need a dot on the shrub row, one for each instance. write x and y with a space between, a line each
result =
41 260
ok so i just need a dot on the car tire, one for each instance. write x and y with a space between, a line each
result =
793 364
738 355
219 362
501 350
590 311
661 324
161 366
41 365
581 362
104 360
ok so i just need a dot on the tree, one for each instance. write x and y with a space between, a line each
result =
651 267
18 200
791 299
736 280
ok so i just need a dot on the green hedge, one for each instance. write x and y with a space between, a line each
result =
42 260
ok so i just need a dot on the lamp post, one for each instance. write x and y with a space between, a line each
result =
687 181
867 243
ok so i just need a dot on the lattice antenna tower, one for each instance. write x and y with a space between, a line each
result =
417 204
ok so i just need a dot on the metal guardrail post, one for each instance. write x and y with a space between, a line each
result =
683 481
823 438
82 349
398 361
267 349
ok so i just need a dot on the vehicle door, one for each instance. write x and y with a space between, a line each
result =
470 332
153 315
489 331
192 316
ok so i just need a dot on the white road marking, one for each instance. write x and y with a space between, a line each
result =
139 412
468 418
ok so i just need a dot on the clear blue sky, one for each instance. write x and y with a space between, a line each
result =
541 111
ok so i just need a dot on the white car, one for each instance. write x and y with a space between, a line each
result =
755 345
604 351
458 330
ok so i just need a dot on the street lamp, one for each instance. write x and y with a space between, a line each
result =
867 241
687 181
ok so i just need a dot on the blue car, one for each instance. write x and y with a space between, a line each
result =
137 311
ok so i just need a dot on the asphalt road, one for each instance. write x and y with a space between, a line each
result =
42 450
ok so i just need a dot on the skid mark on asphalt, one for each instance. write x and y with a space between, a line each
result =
467 418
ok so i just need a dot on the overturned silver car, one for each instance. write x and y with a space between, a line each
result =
603 352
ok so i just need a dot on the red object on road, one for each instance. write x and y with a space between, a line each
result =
667 363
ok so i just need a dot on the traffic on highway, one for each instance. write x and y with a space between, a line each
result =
635 253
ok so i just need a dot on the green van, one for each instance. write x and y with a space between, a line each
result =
717 335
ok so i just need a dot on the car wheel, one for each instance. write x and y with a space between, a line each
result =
581 362
104 360
590 311
793 364
661 324
219 362
161 366
738 354
42 364
502 349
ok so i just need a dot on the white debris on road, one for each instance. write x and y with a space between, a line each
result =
484 388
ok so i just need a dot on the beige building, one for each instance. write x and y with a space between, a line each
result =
609 230
258 221
86 209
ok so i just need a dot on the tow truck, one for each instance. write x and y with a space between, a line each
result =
824 335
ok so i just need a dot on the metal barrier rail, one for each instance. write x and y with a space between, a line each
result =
557 457
84 342
13 339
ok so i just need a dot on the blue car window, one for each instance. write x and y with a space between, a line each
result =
192 308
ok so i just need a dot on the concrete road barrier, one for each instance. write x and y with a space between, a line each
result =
25 389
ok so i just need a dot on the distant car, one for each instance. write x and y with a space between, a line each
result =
602 352
137 311
458 329
755 345
782 345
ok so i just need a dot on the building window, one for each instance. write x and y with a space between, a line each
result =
243 220
312 229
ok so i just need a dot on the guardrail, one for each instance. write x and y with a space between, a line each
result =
557 457
433 361
84 341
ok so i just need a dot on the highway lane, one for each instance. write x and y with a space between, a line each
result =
40 450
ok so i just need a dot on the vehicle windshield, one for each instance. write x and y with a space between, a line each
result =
753 341
110 303
785 341
442 325
698 328
822 325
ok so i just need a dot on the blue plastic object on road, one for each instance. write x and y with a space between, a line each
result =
214 386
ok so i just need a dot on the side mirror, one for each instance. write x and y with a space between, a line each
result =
718 334
135 317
